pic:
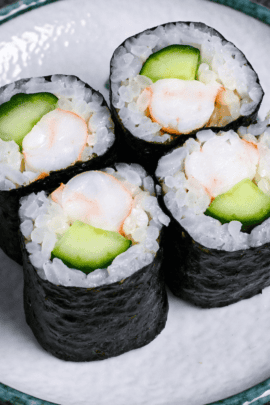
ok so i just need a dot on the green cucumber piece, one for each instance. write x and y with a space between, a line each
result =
244 202
19 115
87 248
172 62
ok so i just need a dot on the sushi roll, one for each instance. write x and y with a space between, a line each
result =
51 128
92 257
170 81
216 190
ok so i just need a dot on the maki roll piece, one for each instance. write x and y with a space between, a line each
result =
168 82
92 257
51 128
216 190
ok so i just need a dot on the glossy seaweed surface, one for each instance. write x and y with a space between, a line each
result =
86 324
133 149
9 200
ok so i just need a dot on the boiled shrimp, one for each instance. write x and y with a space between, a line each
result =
55 142
95 198
222 162
180 106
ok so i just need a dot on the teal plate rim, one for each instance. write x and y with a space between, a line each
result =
260 393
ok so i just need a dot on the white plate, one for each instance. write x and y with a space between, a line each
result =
202 355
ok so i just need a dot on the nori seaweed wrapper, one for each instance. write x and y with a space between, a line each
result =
86 324
209 277
134 149
9 200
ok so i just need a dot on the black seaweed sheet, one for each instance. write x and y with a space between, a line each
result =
208 277
86 324
146 153
9 200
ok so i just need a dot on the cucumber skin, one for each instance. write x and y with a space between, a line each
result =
248 223
159 54
87 324
15 102
60 251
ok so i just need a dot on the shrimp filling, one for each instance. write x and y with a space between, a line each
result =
222 162
179 106
97 199
57 141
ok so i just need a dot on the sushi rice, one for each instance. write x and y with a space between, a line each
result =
220 62
187 201
72 96
43 222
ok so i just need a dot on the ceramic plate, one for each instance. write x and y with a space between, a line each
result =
201 356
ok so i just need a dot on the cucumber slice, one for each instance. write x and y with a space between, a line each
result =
172 62
244 202
22 112
87 248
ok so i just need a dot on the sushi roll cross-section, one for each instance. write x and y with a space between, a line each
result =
92 258
217 191
50 129
175 79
